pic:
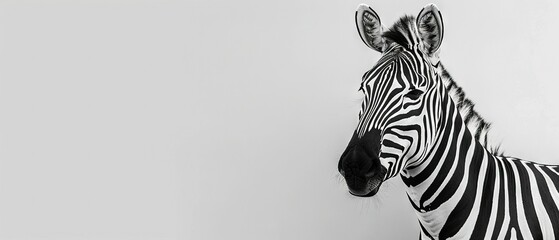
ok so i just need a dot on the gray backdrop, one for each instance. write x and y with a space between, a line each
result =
225 119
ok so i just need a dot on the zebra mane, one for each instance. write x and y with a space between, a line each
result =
403 33
478 126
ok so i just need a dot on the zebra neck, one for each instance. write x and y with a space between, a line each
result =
451 170
473 120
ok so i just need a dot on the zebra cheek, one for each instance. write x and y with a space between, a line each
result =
387 164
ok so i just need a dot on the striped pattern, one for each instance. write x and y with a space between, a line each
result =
459 185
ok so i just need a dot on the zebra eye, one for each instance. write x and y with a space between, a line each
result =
414 94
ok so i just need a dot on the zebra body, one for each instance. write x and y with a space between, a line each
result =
465 192
417 123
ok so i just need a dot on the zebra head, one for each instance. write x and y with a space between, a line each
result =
400 111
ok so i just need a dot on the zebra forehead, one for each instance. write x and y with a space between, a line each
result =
403 32
398 67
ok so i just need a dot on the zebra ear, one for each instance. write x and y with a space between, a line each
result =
430 28
369 27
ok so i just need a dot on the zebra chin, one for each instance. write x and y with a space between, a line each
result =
371 189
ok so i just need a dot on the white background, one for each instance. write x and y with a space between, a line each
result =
225 119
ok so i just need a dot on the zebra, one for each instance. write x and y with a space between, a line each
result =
416 122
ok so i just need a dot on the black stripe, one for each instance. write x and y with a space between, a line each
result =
486 201
457 177
423 175
528 202
460 213
501 204
447 164
547 200
512 201
424 232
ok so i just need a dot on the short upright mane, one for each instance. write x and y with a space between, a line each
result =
403 33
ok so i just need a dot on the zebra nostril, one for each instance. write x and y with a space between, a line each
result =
356 162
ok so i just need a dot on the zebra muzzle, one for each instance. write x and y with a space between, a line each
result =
360 165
